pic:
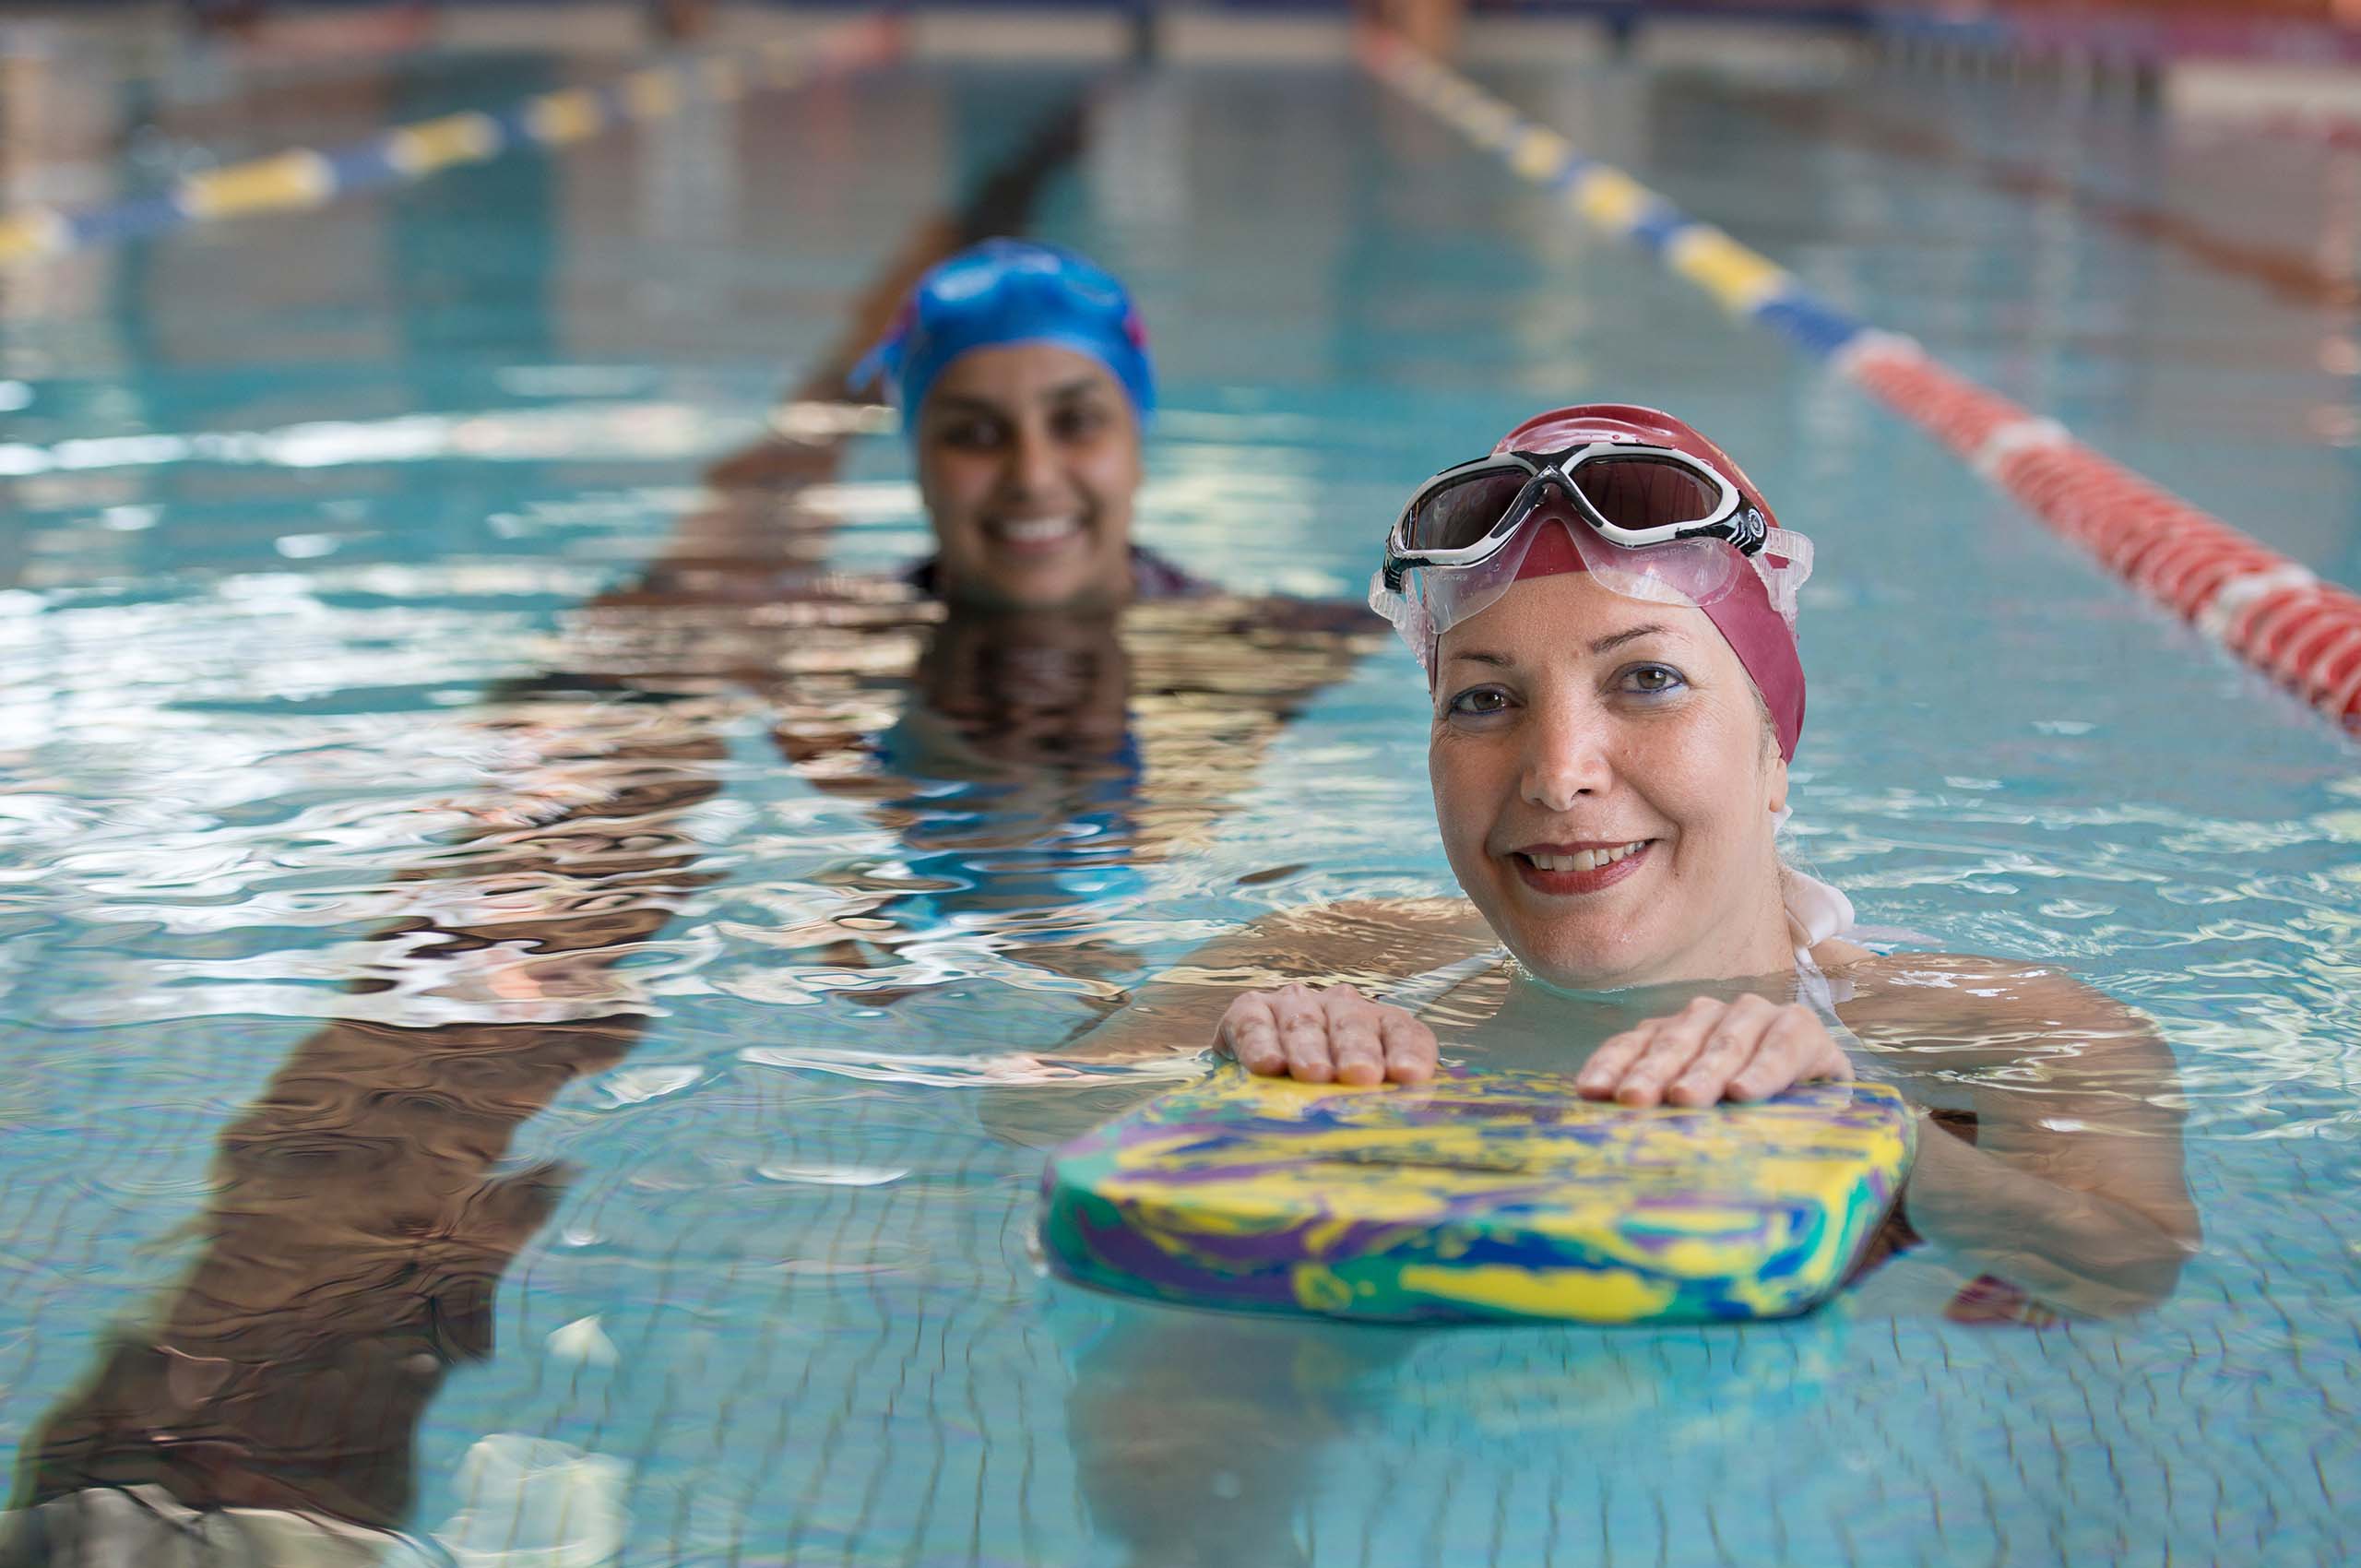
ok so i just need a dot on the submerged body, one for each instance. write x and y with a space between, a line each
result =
1608 755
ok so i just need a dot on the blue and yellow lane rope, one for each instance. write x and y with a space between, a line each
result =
1744 281
303 178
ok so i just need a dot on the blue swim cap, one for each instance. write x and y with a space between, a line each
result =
1010 292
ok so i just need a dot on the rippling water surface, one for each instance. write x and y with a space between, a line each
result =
539 1052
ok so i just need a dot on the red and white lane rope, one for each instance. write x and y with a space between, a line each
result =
2269 609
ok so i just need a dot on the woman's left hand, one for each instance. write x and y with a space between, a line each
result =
1711 1050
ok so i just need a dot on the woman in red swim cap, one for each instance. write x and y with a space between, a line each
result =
1605 607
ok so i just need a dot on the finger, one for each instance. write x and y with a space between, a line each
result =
1677 1043
1605 1069
1251 1033
1831 1066
1797 1046
1410 1048
1353 1042
1303 1035
1735 1039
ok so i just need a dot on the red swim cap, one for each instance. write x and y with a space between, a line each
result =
1759 635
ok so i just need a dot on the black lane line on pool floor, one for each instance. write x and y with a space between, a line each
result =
91 1442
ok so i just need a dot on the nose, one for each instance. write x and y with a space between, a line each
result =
1567 755
1032 469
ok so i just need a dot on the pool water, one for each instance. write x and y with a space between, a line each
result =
546 1056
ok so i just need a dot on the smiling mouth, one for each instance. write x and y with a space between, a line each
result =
1564 870
1584 860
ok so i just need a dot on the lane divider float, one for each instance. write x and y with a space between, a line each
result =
304 177
2265 607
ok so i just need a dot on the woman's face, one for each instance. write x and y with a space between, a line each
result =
1028 455
1606 786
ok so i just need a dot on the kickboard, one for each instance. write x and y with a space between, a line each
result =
1479 1195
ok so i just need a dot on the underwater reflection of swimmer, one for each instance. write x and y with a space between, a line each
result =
1198 1437
1605 609
1036 766
2050 1175
359 1227
361 1220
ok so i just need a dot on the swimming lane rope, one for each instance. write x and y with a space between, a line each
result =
305 177
2265 607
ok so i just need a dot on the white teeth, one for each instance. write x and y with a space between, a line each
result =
1587 860
1035 531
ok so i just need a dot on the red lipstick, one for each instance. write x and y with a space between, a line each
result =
1570 884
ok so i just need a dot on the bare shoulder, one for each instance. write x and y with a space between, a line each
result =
1369 943
1361 940
1838 954
1452 919
1965 999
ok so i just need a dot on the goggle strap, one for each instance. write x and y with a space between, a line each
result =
1782 583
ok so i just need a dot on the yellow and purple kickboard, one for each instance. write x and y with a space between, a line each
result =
1479 1195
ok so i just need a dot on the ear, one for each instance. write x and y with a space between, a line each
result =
1775 781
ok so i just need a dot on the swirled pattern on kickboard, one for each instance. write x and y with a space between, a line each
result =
1479 1195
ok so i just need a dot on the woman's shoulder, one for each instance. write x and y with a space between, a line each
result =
1835 952
1433 919
1368 942
1974 991
1940 971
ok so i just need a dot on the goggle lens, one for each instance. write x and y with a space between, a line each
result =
1647 492
1453 517
1634 493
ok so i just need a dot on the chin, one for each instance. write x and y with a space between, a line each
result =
1576 961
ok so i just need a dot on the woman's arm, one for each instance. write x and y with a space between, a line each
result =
1363 944
2073 1183
1370 945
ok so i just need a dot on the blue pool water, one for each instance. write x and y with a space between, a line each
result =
449 1007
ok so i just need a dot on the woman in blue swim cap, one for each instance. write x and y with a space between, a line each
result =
1021 372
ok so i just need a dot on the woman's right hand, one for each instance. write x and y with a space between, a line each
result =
1334 1034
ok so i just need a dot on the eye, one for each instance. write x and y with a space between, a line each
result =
1651 680
1078 422
1478 702
971 434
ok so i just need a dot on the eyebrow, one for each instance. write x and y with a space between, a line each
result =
1617 639
1603 645
962 401
1064 392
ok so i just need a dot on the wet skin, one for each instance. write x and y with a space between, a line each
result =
1607 790
1571 718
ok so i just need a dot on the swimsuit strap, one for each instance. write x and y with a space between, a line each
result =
1817 913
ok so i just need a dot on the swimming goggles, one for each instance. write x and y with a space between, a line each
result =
1634 496
1648 522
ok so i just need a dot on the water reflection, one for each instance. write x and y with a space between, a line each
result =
363 1211
782 1328
2049 1185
